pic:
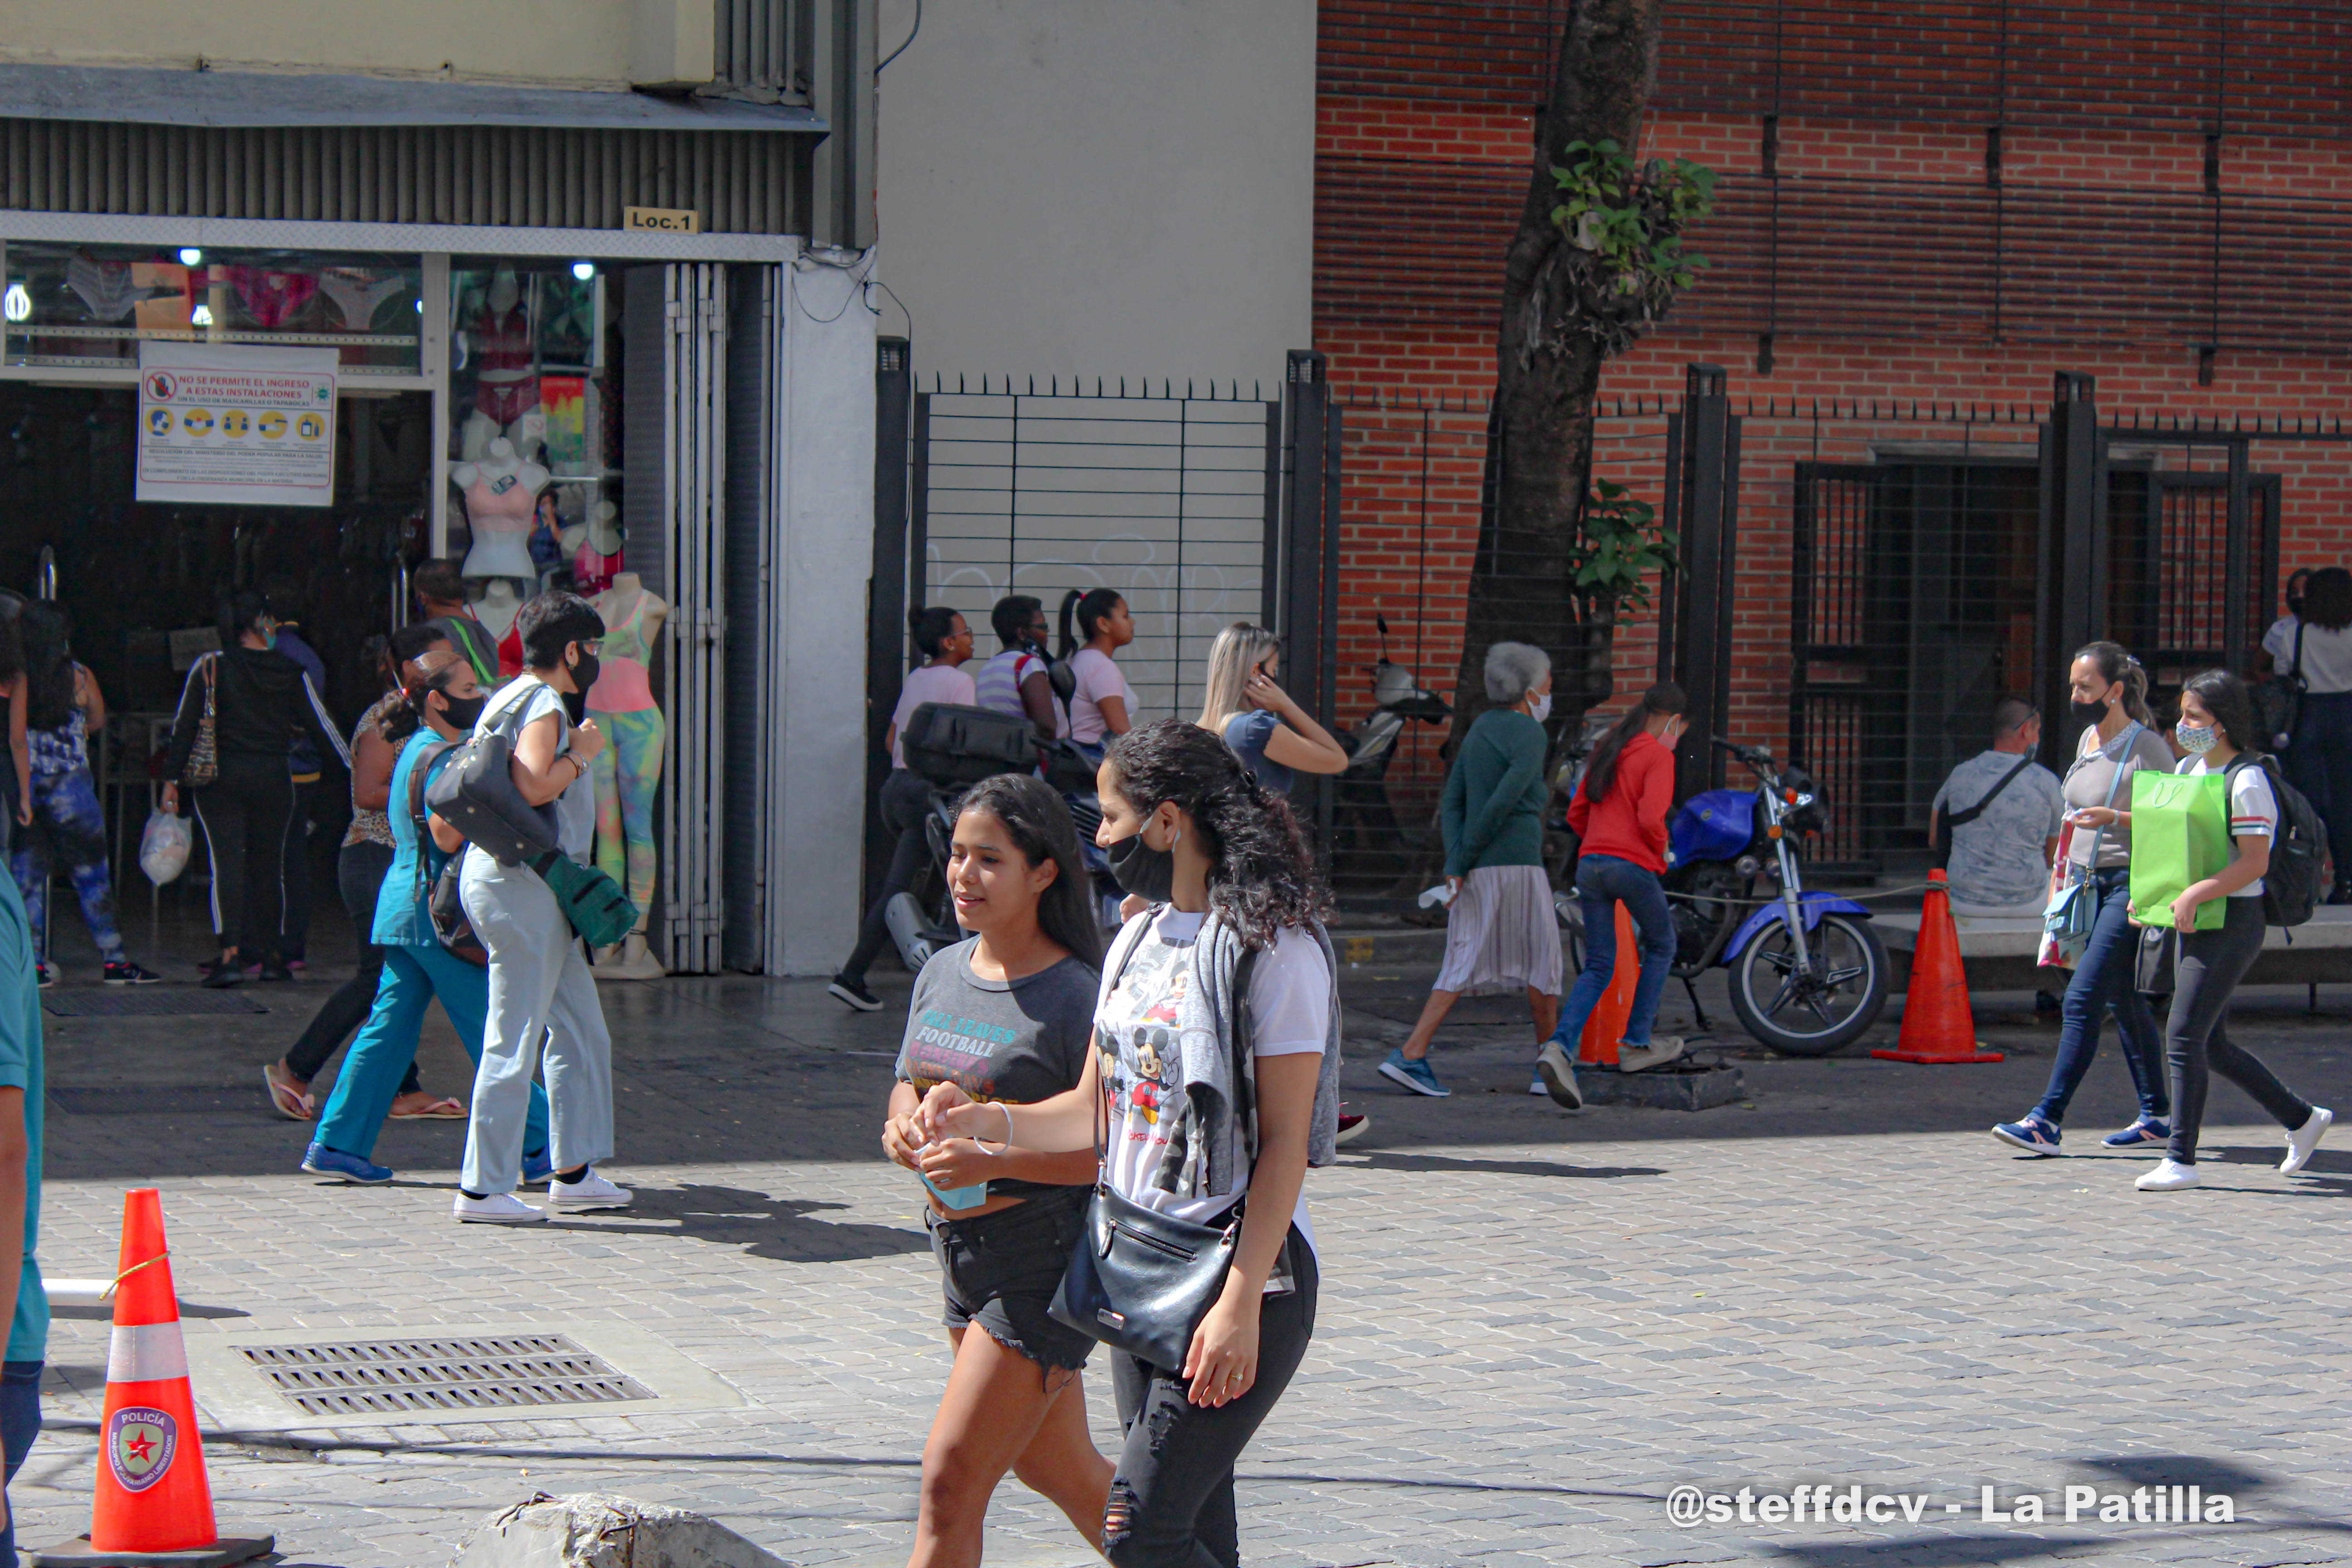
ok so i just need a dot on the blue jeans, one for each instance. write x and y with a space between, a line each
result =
386 1047
1602 882
20 1422
2106 981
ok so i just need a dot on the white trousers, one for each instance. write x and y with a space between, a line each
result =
542 998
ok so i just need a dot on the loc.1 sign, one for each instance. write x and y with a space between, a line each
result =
231 423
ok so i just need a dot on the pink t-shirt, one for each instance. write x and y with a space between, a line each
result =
932 683
1099 677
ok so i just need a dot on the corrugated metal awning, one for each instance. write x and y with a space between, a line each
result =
255 100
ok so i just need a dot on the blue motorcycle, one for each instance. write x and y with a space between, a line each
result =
1808 971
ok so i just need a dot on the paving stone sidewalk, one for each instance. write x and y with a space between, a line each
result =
1534 1325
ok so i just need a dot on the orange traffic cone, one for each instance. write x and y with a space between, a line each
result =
1938 1026
1605 1031
154 1503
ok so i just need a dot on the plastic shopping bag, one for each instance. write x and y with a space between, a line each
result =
2179 835
163 845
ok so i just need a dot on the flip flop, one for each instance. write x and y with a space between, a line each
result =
443 1110
293 1104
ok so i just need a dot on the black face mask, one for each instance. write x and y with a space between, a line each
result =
1150 874
583 676
2090 712
459 712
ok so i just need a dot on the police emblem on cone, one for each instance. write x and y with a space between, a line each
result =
154 1503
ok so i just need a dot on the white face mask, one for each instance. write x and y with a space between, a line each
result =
1540 709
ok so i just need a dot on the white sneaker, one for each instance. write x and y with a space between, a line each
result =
1537 1086
2170 1177
590 1192
498 1208
1657 1053
1556 1076
2306 1138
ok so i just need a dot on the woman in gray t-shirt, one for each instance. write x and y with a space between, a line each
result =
2110 692
1006 1017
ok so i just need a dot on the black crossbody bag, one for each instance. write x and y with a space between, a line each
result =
1139 1280
1957 819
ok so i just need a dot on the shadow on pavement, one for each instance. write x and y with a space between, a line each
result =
1381 1160
767 1226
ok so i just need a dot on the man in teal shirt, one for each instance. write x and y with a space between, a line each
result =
23 1301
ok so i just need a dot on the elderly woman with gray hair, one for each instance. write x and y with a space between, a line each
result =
1502 933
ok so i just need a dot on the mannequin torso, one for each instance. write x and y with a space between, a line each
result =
633 622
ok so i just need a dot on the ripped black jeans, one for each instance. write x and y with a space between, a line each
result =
1171 1500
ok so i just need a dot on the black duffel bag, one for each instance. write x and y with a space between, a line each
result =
953 745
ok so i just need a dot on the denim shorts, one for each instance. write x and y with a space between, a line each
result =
1001 1272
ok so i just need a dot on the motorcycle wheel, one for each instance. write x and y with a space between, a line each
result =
1815 1019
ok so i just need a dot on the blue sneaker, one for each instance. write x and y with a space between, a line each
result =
1418 1076
537 1168
2033 1134
2147 1130
322 1161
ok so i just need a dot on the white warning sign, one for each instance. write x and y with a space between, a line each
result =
235 425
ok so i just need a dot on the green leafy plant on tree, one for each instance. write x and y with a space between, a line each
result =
1620 549
1623 223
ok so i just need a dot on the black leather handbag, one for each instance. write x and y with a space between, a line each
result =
1139 1280
476 795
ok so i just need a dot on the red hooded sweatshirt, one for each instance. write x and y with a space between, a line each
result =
1630 821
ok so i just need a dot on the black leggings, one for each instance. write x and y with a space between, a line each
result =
906 806
2212 964
1171 1500
359 874
243 814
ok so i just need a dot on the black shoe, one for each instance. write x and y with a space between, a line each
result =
129 974
277 973
854 994
222 975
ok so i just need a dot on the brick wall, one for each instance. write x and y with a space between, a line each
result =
1413 475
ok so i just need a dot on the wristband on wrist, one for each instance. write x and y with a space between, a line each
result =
983 1147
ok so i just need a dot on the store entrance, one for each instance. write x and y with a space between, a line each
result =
140 580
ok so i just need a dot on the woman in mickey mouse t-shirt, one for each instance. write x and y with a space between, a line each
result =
2216 730
1231 890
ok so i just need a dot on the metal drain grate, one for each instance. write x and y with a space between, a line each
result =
387 1377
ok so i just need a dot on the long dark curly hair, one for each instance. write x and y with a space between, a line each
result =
1261 878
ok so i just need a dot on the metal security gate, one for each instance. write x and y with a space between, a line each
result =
694 471
1168 498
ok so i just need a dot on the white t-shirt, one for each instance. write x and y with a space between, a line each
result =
2254 810
1290 1014
1099 677
932 683
2327 655
516 707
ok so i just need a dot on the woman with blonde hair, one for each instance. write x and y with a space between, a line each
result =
1276 739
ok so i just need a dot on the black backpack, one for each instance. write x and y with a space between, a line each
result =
2291 884
952 745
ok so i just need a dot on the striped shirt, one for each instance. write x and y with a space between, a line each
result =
999 687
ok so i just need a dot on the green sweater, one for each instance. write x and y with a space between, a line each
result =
1493 811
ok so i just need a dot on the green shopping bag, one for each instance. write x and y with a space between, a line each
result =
2179 835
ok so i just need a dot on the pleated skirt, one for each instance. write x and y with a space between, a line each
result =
1502 933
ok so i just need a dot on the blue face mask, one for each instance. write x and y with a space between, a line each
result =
2196 738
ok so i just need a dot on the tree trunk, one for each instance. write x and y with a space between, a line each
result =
1539 447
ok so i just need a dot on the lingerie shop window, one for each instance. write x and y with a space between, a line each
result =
535 446
92 305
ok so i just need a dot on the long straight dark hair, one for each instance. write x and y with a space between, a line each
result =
1042 830
1666 697
2225 697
